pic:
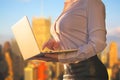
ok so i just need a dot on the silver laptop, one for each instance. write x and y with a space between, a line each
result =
26 40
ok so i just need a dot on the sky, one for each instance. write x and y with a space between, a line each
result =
13 10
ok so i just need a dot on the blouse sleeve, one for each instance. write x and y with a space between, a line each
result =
96 34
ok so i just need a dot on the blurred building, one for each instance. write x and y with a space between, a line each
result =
18 62
104 57
110 57
113 54
41 29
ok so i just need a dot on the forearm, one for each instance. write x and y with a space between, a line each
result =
96 44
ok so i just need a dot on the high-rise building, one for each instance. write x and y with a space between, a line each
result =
113 54
41 29
104 57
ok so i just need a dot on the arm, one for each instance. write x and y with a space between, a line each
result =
96 34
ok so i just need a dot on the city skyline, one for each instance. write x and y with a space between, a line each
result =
13 10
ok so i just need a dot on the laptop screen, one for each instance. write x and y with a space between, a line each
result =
25 38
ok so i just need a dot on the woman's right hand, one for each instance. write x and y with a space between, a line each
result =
51 44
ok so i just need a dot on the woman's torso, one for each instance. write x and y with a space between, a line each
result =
71 26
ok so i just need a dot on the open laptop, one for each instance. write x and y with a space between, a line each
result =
26 40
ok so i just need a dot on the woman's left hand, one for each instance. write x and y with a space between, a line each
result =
49 57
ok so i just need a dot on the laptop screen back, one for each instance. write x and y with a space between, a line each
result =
25 38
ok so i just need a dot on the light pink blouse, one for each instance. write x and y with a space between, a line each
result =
81 27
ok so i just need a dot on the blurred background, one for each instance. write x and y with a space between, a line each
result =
42 14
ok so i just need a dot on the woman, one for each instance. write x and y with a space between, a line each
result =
81 26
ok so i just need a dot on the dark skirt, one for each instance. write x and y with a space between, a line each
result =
90 69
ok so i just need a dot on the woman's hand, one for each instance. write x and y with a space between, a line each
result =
51 44
49 57
52 56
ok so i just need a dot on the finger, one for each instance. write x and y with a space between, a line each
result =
48 44
44 46
56 46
